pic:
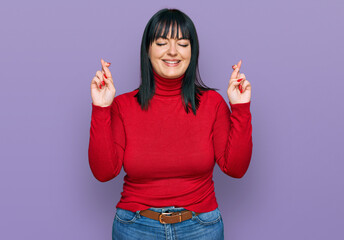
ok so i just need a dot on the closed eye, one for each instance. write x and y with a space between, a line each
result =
182 45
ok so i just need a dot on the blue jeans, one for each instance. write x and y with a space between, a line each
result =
128 225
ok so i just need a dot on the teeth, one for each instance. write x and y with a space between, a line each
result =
171 61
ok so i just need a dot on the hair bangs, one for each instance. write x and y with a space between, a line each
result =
173 22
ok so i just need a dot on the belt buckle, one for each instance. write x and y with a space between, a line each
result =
160 220
160 215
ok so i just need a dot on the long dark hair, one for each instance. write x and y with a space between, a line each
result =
192 85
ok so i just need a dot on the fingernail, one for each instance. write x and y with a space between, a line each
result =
233 66
100 86
239 80
103 83
109 63
105 76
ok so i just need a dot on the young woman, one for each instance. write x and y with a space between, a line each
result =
168 134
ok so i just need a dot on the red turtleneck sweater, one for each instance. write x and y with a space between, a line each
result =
167 154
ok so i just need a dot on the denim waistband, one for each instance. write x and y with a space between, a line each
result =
167 209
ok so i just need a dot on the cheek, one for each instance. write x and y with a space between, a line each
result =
187 54
156 52
187 59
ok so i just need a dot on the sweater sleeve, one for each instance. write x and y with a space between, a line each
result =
107 142
233 138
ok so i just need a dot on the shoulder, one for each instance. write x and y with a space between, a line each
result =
214 97
126 99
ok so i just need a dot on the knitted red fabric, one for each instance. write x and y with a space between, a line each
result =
168 155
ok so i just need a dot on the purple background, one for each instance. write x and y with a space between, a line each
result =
292 54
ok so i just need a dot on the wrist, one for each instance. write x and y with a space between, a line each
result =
240 106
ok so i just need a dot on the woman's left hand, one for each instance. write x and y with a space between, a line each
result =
238 92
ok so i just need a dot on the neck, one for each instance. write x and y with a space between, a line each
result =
167 87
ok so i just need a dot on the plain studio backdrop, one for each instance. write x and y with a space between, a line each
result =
292 54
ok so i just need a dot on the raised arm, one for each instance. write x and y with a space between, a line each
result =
233 138
107 142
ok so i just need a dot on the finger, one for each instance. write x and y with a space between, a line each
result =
246 85
239 68
105 81
241 75
104 77
106 69
100 75
236 71
239 65
96 82
101 78
240 86
235 83
239 80
106 63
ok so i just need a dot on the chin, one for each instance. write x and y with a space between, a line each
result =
172 73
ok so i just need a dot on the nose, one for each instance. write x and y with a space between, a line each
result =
172 51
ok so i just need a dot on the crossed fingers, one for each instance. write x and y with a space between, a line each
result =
237 76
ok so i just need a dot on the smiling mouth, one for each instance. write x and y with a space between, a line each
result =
171 63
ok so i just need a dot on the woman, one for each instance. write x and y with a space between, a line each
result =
168 151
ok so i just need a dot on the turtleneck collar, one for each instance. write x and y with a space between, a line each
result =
167 87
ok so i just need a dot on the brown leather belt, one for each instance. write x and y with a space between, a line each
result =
168 217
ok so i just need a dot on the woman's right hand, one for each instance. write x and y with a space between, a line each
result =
102 89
